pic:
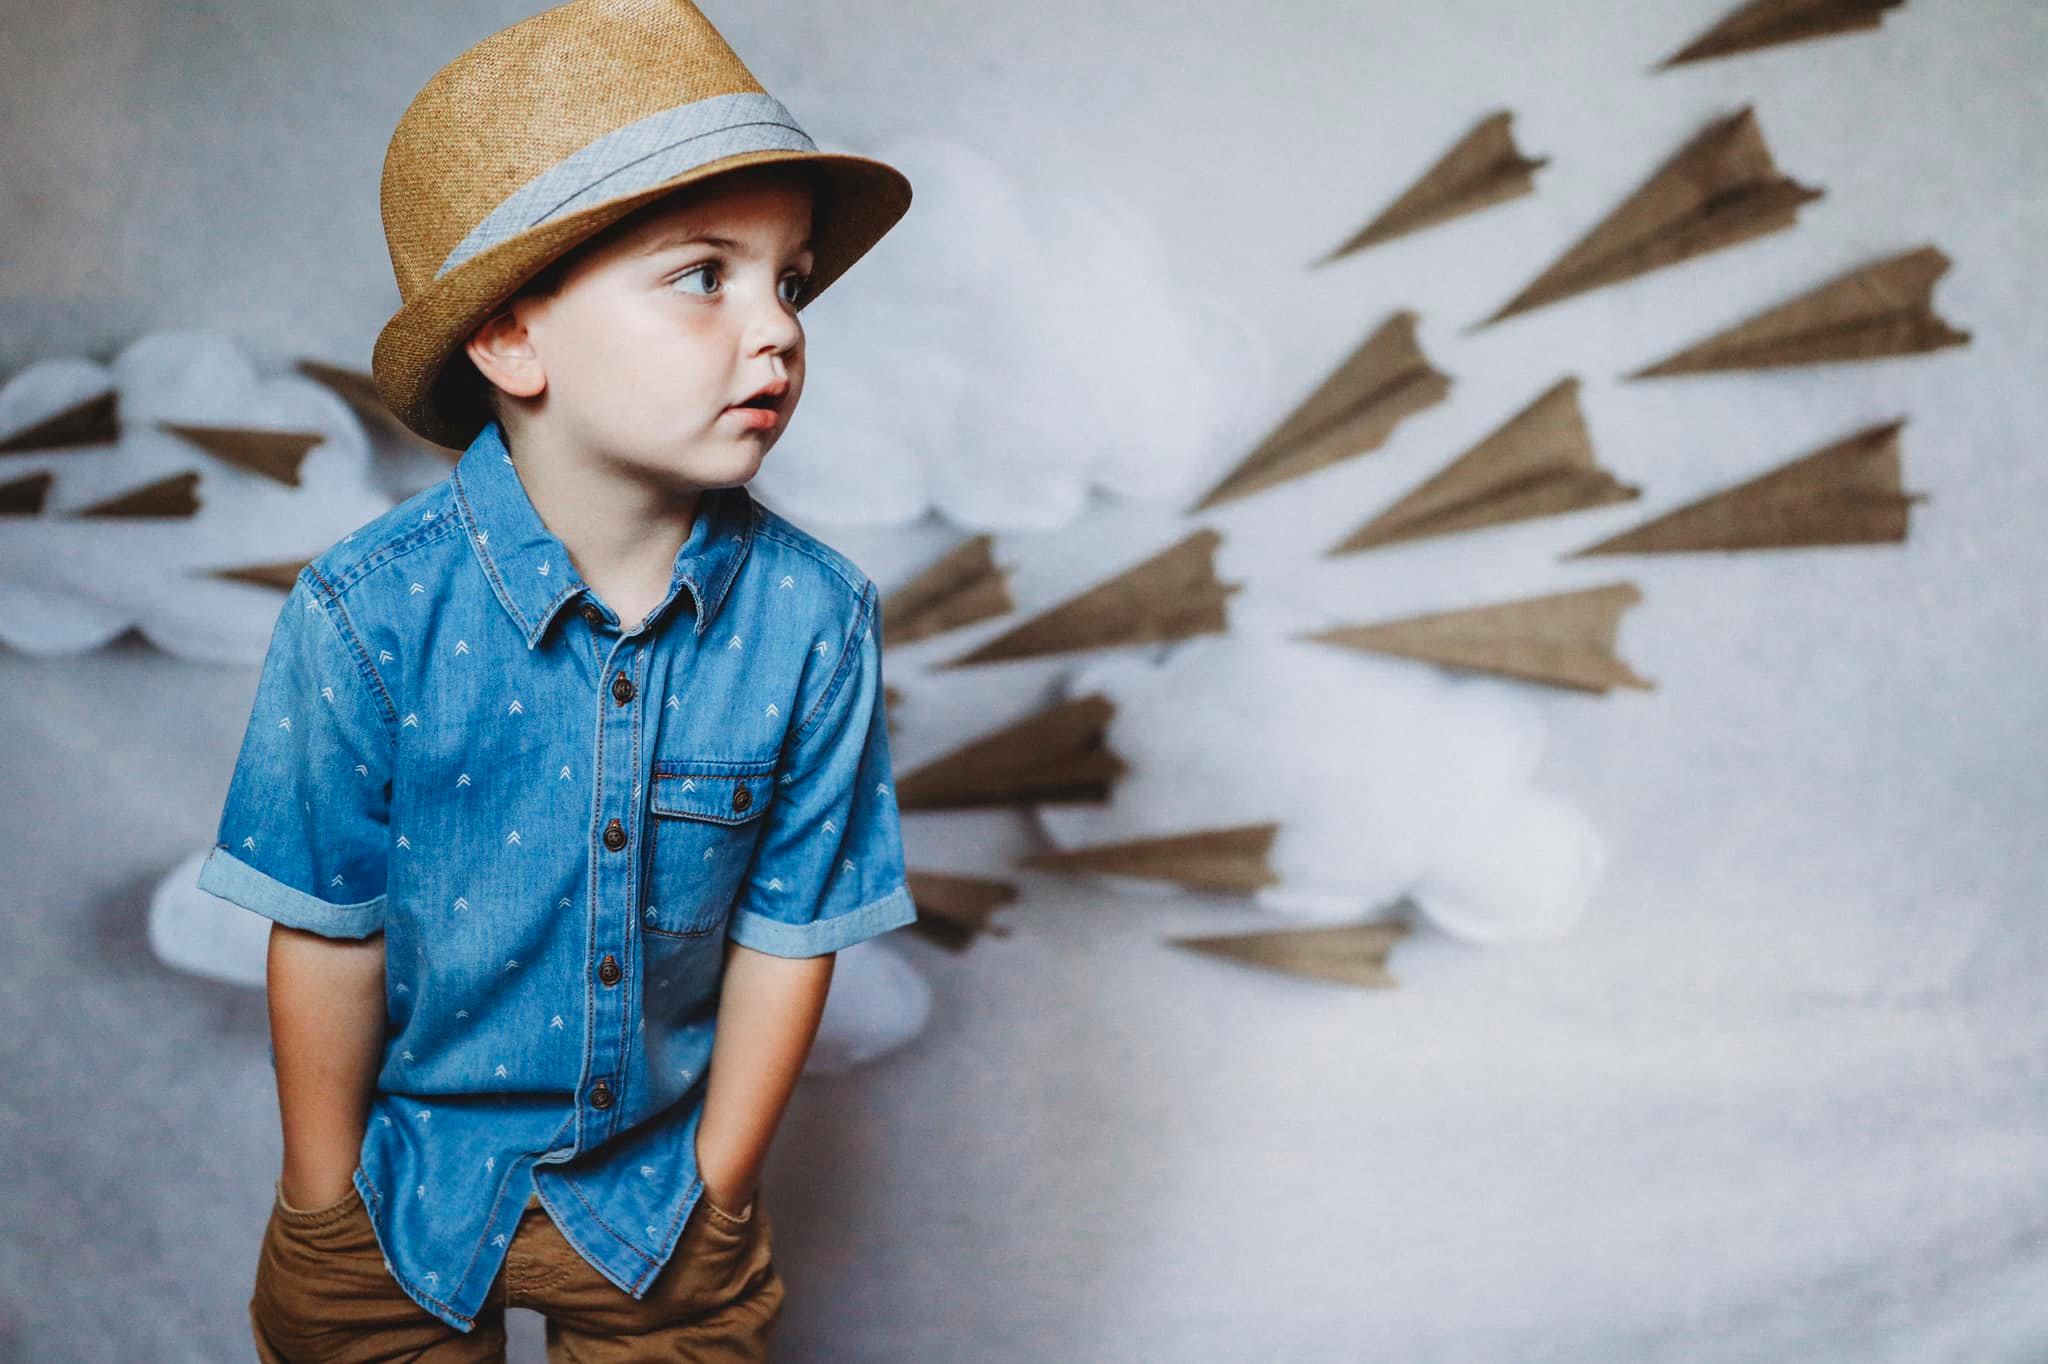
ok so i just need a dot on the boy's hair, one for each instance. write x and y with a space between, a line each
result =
466 383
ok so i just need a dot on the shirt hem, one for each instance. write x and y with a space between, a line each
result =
816 938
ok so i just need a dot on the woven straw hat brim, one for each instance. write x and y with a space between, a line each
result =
859 200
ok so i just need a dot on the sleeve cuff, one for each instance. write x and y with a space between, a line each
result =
237 882
820 936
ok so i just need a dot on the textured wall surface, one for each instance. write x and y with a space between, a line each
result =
1779 1096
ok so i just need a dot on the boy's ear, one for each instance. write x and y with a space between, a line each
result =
504 355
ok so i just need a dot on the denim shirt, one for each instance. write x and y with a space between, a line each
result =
557 823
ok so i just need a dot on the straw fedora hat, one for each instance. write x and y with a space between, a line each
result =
547 132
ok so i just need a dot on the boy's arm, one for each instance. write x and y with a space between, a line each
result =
326 999
768 1012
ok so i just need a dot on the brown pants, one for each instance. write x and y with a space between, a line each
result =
323 1293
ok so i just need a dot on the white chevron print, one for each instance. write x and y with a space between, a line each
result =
362 771
383 655
402 988
405 1056
424 1114
499 1239
881 788
515 708
285 723
556 1022
775 883
735 643
514 839
327 693
404 842
462 1013
847 863
830 827
773 711
543 568
502 1076
647 1172
416 589
710 853
461 903
787 581
250 843
412 720
336 879
462 779
483 537
512 964
562 903
820 648
674 704
491 1162
461 646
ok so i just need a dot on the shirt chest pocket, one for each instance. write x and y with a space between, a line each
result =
705 816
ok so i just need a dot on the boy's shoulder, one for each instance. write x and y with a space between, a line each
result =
420 520
786 547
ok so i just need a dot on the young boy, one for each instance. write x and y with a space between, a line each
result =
566 777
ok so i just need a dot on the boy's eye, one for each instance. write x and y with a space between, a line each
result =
707 268
796 286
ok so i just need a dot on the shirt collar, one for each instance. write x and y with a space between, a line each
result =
528 566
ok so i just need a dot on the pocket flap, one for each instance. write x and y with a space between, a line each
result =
723 791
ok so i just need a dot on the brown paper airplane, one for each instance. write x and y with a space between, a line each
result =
359 391
1352 412
1766 23
26 495
172 496
1172 595
1228 859
953 910
274 454
1720 189
1057 755
96 421
1846 493
1539 463
1484 169
1879 310
1563 639
283 575
1350 954
962 587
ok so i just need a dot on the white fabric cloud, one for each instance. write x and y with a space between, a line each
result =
1009 346
1386 778
69 585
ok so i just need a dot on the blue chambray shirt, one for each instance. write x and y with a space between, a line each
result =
557 824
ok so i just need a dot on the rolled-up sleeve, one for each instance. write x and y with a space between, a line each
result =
828 869
303 835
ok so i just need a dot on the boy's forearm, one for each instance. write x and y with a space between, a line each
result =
768 1012
326 998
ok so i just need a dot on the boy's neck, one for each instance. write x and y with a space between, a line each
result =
622 532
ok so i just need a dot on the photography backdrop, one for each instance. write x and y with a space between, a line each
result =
1778 1094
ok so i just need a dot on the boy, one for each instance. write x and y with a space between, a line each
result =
575 761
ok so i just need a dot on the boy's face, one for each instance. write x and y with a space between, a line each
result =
638 358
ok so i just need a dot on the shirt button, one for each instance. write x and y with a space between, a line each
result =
614 835
608 970
600 1095
592 614
622 688
741 797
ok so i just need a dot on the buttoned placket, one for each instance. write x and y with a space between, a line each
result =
615 889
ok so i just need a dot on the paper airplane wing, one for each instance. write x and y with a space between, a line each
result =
26 495
1230 859
1350 954
96 421
1172 595
1720 189
1353 411
953 910
1846 493
1539 463
960 588
174 496
1766 23
1879 310
1484 169
1564 639
276 455
1059 754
